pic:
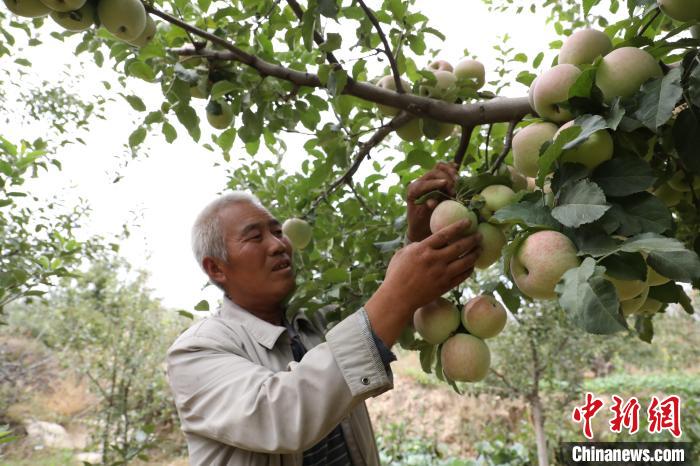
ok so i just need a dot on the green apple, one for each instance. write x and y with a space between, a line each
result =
650 307
540 262
436 321
64 5
441 65
531 94
484 317
552 89
448 212
411 131
624 70
492 242
680 183
584 46
200 89
436 129
627 289
531 183
444 84
465 358
654 278
472 70
149 32
681 10
497 196
668 195
526 146
632 305
519 181
27 8
387 82
219 114
592 152
79 20
298 232
126 19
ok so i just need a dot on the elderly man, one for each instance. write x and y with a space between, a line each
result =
253 388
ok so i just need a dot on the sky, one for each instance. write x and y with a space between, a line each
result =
159 195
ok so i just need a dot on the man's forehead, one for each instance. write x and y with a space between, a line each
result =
240 216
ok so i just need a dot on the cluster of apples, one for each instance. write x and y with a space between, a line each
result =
126 19
468 73
464 355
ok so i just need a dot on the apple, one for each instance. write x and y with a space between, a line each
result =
540 261
441 65
484 317
448 212
200 89
497 196
147 35
219 114
654 278
492 242
64 5
79 20
465 358
298 232
531 183
627 289
681 10
679 182
531 94
435 129
552 89
526 146
668 195
387 82
411 131
584 46
592 152
126 19
631 306
27 8
444 83
650 307
436 321
519 181
624 70
473 70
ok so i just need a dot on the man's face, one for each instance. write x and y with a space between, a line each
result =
259 266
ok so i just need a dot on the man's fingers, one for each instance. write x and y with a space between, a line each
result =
447 235
460 247
420 187
461 265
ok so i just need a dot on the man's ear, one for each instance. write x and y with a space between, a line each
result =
214 269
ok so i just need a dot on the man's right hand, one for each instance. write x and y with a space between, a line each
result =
420 273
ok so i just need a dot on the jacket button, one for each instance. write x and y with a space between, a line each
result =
365 380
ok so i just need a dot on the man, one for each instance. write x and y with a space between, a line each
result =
254 389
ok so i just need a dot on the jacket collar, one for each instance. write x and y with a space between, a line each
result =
262 331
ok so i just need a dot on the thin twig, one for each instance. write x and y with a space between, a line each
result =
189 36
646 26
506 146
359 198
505 381
463 145
387 47
486 151
398 121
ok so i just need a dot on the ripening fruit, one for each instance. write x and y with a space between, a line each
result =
526 146
298 232
200 89
623 71
552 89
540 262
584 46
681 10
627 289
679 182
592 152
433 129
518 179
497 196
441 65
492 242
219 114
64 5
78 20
411 131
448 212
465 358
27 8
444 83
436 321
387 82
473 71
631 306
654 278
668 195
484 317
149 32
650 307
126 19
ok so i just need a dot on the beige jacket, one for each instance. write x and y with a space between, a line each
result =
243 400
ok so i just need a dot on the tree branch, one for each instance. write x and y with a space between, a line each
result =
646 26
318 38
507 384
359 198
486 150
506 146
387 47
398 121
463 145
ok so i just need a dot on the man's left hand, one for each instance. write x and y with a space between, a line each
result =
441 178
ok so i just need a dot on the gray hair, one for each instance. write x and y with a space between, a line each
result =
207 237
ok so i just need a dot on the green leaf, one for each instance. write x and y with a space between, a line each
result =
530 211
136 103
658 99
590 300
622 176
680 266
169 132
427 356
553 152
589 124
644 327
137 137
226 139
626 266
23 62
336 275
141 70
186 314
328 8
221 88
333 42
189 119
686 139
337 79
672 293
641 212
308 26
203 305
580 203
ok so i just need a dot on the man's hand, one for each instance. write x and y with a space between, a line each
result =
420 273
441 178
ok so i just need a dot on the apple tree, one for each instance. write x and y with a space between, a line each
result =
585 188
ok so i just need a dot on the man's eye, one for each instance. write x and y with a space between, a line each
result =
277 232
255 237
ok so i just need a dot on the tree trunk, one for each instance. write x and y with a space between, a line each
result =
540 436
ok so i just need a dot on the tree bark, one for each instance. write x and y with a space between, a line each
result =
540 436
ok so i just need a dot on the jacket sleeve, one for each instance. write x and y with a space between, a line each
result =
222 395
